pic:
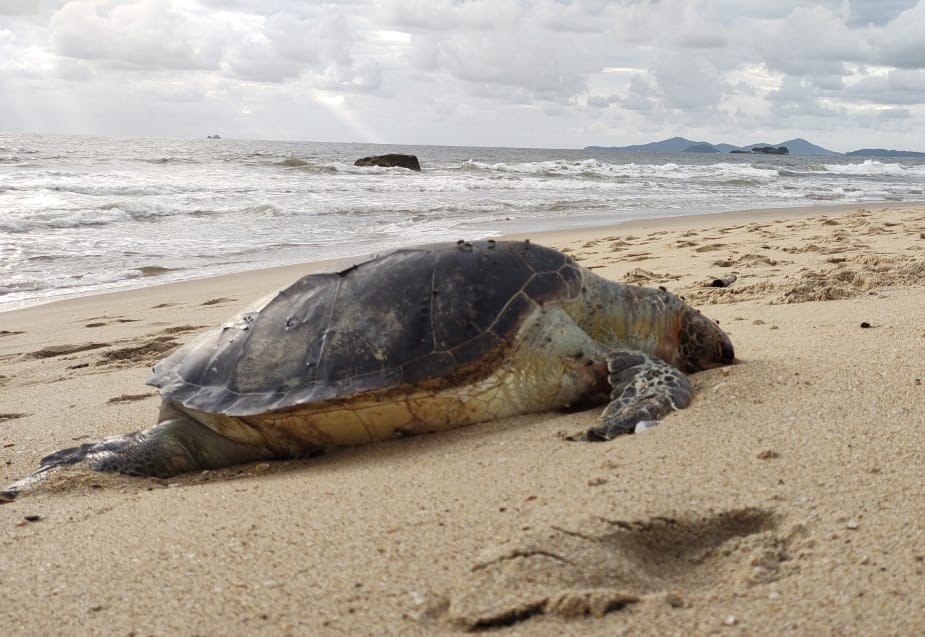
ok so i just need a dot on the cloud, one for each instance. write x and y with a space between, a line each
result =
256 42
547 67
800 97
150 34
899 86
812 41
688 82
603 101
640 95
901 42
521 72
19 7
529 47
876 12
286 45
896 113
255 57
365 76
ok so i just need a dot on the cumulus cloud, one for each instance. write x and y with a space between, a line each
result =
876 12
150 34
688 82
640 95
896 113
812 41
269 42
255 57
285 45
623 69
19 7
899 86
603 101
531 47
480 59
365 76
901 42
798 97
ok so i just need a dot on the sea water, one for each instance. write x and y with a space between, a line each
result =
83 214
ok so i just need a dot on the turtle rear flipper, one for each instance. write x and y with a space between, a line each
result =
643 388
175 445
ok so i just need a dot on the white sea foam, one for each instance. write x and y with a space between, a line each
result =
873 168
88 213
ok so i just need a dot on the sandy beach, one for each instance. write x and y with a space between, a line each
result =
787 499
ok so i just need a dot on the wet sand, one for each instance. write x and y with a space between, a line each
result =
786 499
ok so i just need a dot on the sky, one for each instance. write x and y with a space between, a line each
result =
845 74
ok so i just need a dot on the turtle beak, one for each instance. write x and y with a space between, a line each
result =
726 354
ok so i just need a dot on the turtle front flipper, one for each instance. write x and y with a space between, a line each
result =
643 388
175 445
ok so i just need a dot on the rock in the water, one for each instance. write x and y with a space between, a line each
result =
394 159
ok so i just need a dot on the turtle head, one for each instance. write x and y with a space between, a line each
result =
701 343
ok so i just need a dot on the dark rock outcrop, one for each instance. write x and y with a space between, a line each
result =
387 161
763 150
771 150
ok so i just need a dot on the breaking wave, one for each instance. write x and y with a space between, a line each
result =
83 214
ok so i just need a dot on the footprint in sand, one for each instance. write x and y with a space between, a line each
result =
710 247
617 246
129 398
11 416
148 352
748 261
601 566
9 333
638 275
62 350
179 329
105 323
145 353
218 300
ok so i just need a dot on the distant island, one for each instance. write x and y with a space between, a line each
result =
215 136
797 146
883 152
763 150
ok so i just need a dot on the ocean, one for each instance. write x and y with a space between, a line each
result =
81 214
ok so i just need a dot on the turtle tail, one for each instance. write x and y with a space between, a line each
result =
173 446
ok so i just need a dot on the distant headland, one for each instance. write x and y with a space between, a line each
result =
797 146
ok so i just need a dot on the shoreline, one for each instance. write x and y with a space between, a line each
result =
698 220
786 499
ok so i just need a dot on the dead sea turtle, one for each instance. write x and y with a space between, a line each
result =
415 341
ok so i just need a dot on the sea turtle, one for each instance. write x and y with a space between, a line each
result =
417 340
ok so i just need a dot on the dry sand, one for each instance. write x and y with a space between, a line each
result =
788 499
